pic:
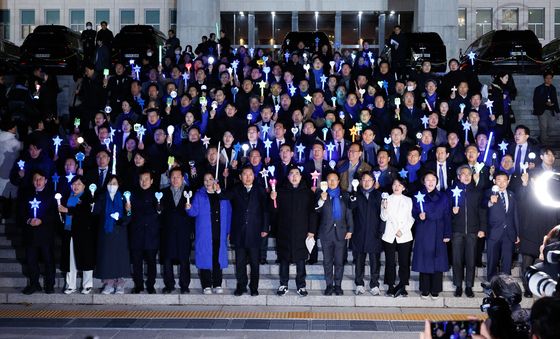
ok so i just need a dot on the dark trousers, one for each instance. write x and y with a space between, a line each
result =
242 256
464 256
403 251
499 249
285 273
374 267
184 273
480 242
32 254
333 254
431 283
315 251
264 248
526 261
138 257
213 277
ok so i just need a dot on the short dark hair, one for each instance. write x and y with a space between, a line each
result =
524 128
545 317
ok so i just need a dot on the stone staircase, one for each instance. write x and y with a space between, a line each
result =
12 280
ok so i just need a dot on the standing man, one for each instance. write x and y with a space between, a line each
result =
398 44
336 228
88 42
104 34
249 223
545 105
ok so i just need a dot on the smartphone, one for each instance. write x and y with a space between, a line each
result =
455 329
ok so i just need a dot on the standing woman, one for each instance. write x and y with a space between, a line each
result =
502 92
78 238
433 232
396 211
113 257
212 225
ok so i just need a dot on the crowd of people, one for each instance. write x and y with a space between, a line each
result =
225 146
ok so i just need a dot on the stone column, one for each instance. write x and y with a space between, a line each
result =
439 16
196 18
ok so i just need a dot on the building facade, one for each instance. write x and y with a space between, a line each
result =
261 23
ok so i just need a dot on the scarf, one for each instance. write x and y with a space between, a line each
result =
352 111
431 100
257 169
335 197
509 172
425 150
112 206
318 112
412 170
367 192
73 200
318 74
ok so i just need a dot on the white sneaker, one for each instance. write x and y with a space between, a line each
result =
435 297
86 290
119 289
360 290
375 291
218 290
108 289
207 290
69 290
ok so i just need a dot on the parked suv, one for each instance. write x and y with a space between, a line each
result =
53 46
133 41
422 46
513 51
9 57
551 55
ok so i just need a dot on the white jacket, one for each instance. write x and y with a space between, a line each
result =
10 147
398 216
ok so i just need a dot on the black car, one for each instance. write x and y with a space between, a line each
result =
311 42
53 46
551 55
513 51
422 46
9 57
134 41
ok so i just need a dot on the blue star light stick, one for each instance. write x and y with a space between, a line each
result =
466 128
323 81
420 200
456 194
386 86
503 147
330 149
488 146
237 148
287 56
57 142
55 179
267 145
403 173
300 149
34 206
21 165
425 121
69 177
472 56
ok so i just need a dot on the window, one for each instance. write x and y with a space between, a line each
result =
536 21
152 18
557 23
27 22
77 20
102 15
462 23
127 17
510 19
173 19
52 17
483 21
5 24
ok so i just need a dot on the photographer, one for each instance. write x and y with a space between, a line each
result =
542 278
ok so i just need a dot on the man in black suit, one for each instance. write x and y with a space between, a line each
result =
98 174
545 105
341 145
444 170
503 226
249 223
521 149
336 228
397 149
316 163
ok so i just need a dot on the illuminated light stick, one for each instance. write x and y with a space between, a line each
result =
140 102
362 92
262 85
57 142
218 160
170 130
292 90
188 196
21 165
267 145
141 131
126 195
359 127
136 70
55 179
249 118
428 105
251 52
466 128
287 56
111 133
307 99
503 147
107 142
323 79
205 141
211 61
234 65
234 91
114 169
271 170
494 157
276 109
34 206
236 148
245 148
160 47
425 121
420 200
264 174
489 103
315 176
332 63
80 158
456 194
403 173
300 149
333 99
77 122
376 175
472 56
69 177
185 78
532 156
266 70
158 196
353 133
462 107
265 130
106 73
306 67
488 147
325 130
170 161
324 186
524 166
355 184
386 87
330 149
454 89
273 187
37 89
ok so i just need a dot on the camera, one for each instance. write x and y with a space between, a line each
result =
542 278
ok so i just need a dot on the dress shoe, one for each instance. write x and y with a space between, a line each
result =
239 291
254 292
338 290
137 290
528 294
400 290
30 289
151 290
458 292
167 290
328 290
391 291
469 292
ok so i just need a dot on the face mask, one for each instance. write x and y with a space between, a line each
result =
149 54
112 189
88 27
410 88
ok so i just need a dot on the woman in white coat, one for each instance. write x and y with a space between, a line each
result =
396 211
10 148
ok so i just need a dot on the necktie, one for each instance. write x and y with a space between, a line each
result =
441 178
503 200
397 153
518 159
339 149
275 101
101 177
253 146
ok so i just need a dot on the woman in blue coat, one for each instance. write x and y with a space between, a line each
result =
212 225
433 231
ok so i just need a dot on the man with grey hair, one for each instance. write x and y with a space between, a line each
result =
468 222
